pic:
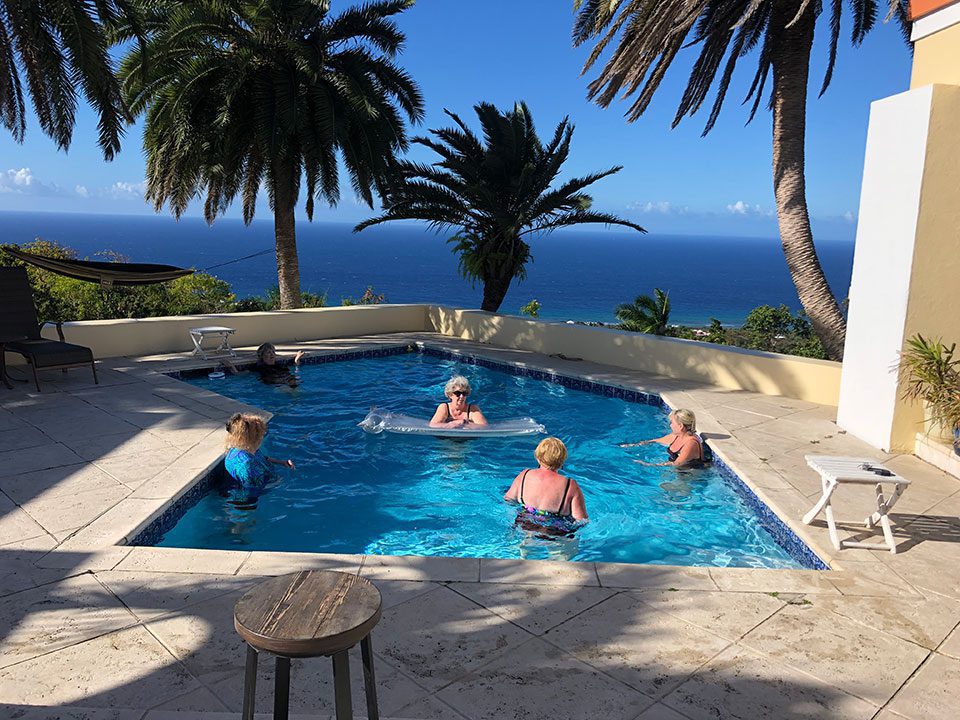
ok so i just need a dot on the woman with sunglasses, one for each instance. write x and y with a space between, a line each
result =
458 412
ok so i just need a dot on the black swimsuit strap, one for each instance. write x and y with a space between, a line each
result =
450 412
564 498
522 478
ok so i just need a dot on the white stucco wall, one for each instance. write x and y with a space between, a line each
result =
883 261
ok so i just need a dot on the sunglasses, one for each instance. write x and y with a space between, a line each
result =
459 393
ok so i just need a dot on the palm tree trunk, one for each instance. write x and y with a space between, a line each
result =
285 233
494 290
791 64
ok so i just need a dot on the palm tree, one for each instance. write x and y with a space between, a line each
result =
646 314
494 193
60 47
652 33
241 96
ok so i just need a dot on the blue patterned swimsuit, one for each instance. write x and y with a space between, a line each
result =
251 470
545 523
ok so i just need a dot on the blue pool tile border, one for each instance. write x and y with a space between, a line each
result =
786 538
163 523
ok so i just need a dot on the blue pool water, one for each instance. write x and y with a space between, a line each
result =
390 494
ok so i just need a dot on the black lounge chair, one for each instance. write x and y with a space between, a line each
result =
20 330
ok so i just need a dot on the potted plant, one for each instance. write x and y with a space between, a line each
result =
931 374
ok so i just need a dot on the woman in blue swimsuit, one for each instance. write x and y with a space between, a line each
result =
540 490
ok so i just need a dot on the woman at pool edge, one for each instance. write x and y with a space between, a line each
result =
458 412
540 490
684 446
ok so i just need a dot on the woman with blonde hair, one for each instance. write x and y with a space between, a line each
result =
550 503
245 462
684 446
458 412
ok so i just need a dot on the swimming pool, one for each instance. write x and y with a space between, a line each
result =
391 494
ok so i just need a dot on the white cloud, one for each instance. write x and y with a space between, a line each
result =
82 191
124 190
658 207
16 181
849 216
743 208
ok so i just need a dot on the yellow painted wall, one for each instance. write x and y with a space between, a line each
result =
936 58
803 378
151 336
934 296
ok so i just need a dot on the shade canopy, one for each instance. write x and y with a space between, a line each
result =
107 274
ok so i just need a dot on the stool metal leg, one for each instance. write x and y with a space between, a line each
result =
369 680
250 684
341 685
281 692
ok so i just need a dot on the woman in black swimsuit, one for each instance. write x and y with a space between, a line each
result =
538 491
458 412
684 446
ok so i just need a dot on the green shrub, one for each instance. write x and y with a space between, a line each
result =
532 308
63 298
369 297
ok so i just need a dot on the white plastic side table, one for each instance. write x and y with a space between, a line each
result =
223 348
837 471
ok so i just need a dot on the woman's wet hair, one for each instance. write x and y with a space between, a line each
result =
245 431
457 382
263 349
551 452
685 418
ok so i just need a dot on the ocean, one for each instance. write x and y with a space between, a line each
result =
575 274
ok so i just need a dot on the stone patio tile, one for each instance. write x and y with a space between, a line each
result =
773 405
633 575
659 711
951 646
15 462
535 608
122 444
134 474
781 581
125 669
649 650
34 622
428 708
9 421
439 636
151 595
888 714
183 560
841 652
58 482
22 437
741 684
15 524
538 682
734 419
727 614
931 694
200 701
26 712
17 565
537 572
767 445
69 511
113 527
262 563
83 561
871 579
311 687
412 567
69 424
924 621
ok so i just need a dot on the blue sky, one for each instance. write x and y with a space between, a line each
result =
673 181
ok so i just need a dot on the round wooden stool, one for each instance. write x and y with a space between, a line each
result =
309 614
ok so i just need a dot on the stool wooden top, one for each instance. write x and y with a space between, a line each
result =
308 613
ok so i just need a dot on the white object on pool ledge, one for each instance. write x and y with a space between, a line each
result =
378 421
